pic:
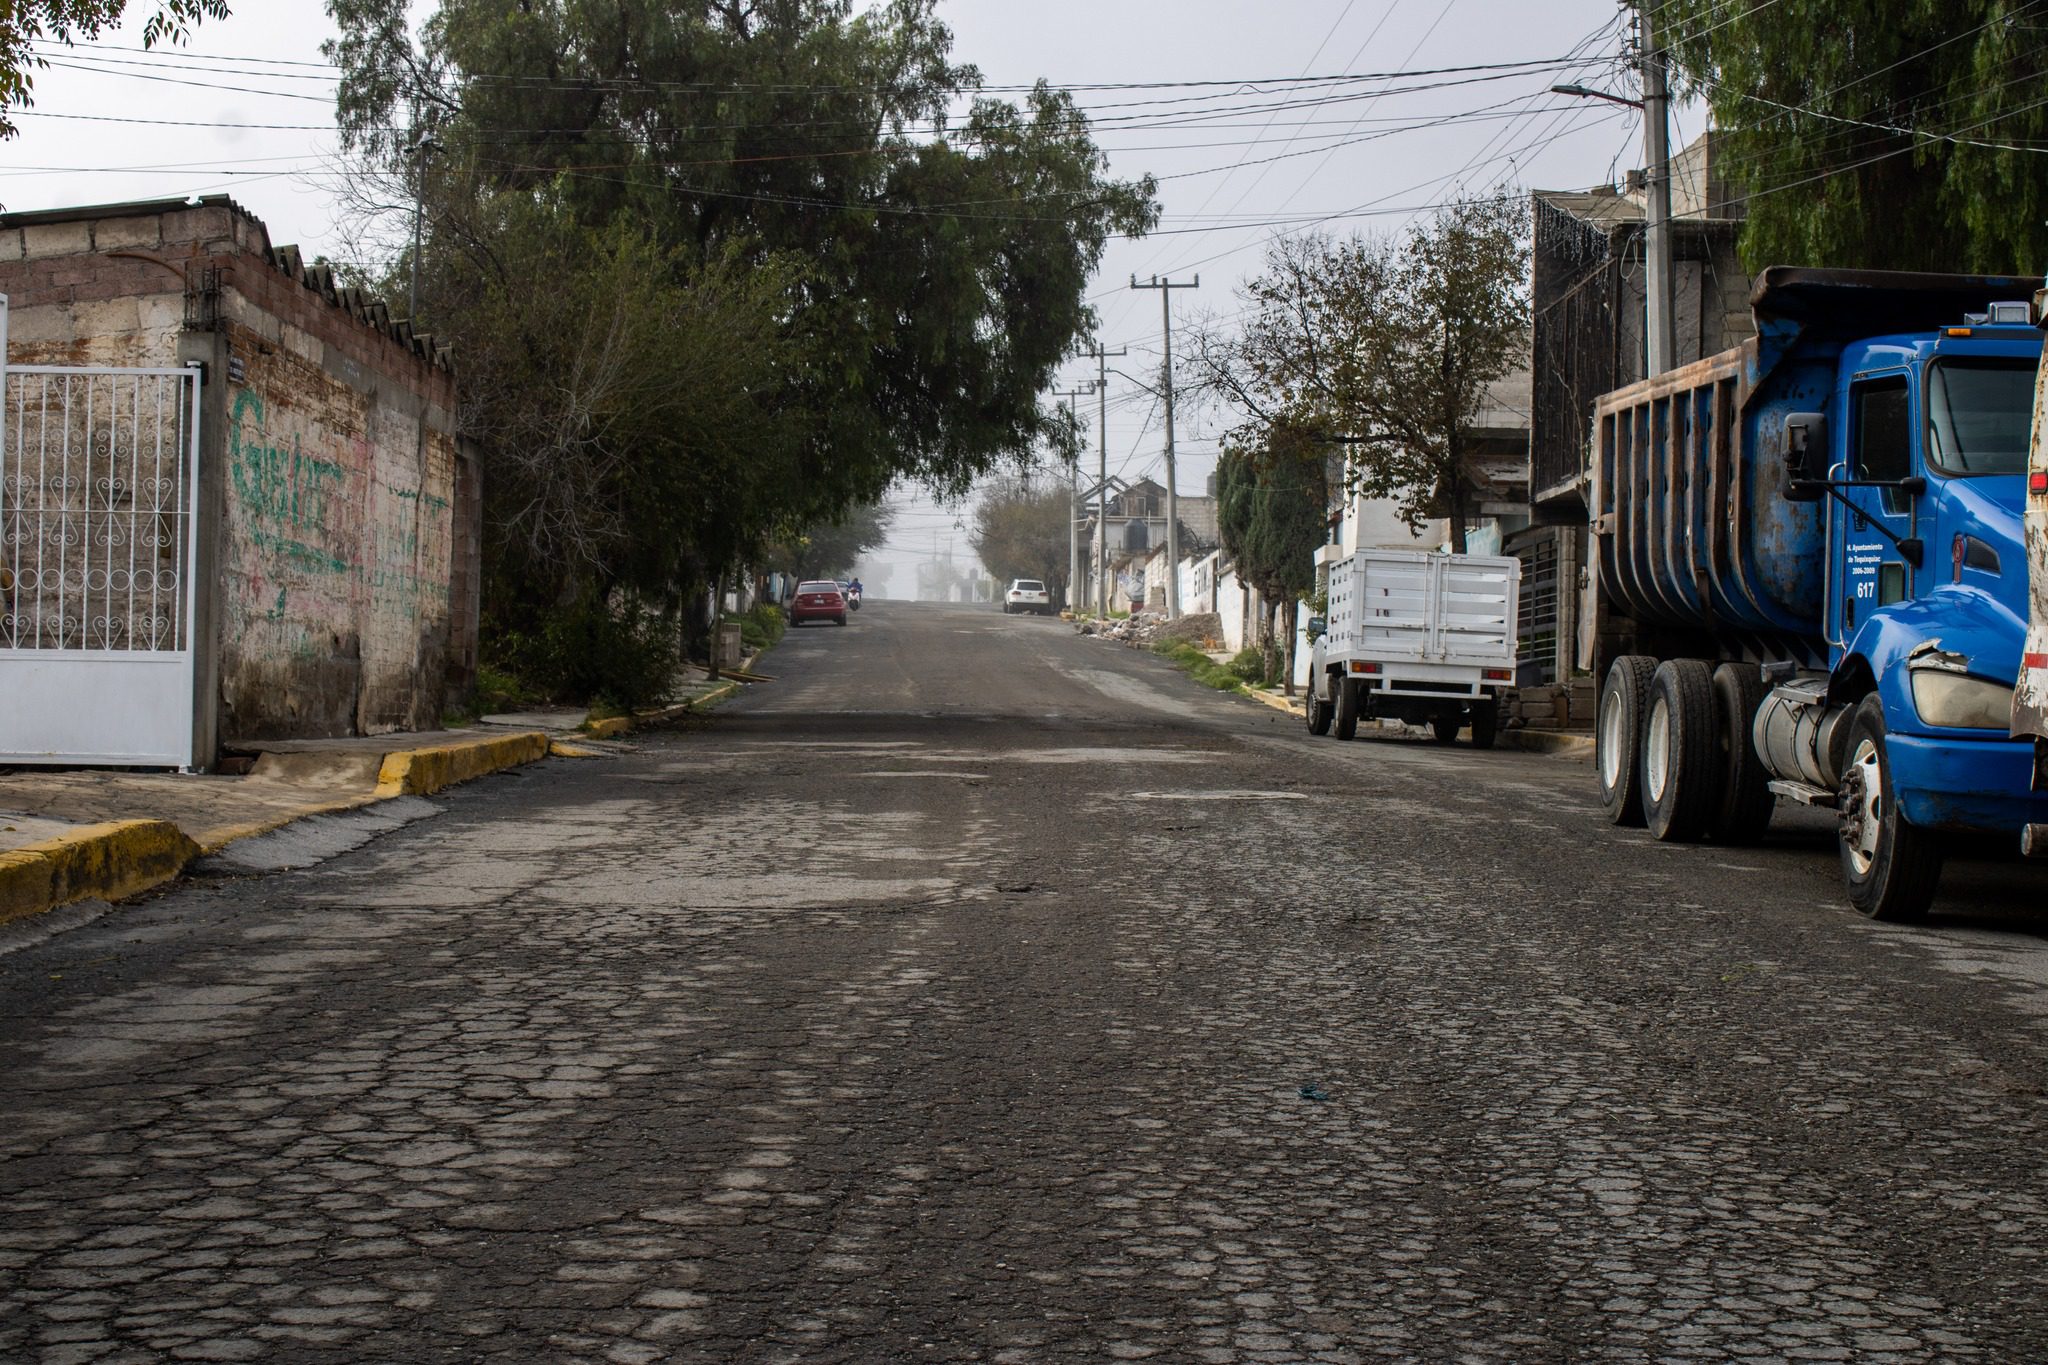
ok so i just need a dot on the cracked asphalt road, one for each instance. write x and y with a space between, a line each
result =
980 992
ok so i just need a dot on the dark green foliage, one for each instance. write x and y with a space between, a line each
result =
623 652
761 627
781 291
1886 134
1272 510
1250 666
1388 344
26 25
829 546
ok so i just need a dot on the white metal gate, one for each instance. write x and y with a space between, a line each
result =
99 500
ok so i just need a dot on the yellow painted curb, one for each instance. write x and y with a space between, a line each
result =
611 728
715 695
421 772
1274 700
109 861
562 748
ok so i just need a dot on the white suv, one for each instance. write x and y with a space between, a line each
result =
1027 594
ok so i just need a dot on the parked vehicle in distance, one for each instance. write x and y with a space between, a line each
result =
1416 637
1808 558
818 600
1027 594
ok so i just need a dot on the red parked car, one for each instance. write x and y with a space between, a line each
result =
818 600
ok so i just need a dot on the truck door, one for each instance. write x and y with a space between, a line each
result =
1880 446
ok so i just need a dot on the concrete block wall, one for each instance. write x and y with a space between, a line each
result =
341 514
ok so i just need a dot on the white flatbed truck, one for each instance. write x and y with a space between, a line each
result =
1414 636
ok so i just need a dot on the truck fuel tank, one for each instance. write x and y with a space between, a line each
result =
1799 736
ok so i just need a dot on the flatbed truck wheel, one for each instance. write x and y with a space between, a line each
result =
1617 740
1444 729
1485 723
1681 751
1318 709
1891 867
1744 811
1347 708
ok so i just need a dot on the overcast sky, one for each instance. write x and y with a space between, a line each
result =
247 110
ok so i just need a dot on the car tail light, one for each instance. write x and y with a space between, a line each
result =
1496 674
1360 666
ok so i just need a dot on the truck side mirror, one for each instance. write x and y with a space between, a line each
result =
1317 627
1806 456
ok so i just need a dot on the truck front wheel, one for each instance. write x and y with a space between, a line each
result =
1891 866
1618 741
1347 708
1681 751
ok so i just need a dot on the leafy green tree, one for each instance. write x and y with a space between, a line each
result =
1272 510
1888 134
911 272
27 25
829 547
1386 345
1021 530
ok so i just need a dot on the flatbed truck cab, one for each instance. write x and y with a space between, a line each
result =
1810 552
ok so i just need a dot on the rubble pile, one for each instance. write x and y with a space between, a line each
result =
1141 630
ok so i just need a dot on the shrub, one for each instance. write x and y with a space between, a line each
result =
1198 665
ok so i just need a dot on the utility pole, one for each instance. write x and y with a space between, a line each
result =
1166 288
1102 472
1663 344
420 148
1073 503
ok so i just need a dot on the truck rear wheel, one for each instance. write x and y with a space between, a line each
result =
1618 740
1891 866
1317 708
1444 729
1681 770
1485 723
1744 810
1347 708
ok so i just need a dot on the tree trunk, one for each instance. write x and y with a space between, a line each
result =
1293 638
1454 504
717 613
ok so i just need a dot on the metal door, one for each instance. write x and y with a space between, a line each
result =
99 499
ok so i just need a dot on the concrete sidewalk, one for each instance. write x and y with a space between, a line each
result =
100 834
77 834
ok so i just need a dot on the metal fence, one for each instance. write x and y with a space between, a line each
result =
1536 650
96 509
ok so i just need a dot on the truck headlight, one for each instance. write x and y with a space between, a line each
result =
1959 701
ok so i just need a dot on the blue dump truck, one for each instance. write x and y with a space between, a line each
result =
1810 575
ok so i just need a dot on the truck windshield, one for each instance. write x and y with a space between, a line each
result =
1978 415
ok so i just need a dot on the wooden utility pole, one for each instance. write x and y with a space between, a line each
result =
1074 503
1166 288
1102 471
1662 348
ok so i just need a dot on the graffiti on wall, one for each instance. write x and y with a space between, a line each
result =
338 552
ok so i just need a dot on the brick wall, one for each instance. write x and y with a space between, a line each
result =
340 544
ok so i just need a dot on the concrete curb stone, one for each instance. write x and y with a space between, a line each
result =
104 861
121 858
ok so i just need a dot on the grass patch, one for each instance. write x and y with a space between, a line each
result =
761 627
1199 666
1248 666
